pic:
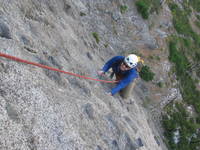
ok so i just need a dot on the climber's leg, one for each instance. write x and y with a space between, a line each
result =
126 92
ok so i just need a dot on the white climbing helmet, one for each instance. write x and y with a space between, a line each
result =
131 60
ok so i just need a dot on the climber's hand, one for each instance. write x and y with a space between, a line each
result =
101 73
109 93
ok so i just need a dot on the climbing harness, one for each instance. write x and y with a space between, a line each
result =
50 68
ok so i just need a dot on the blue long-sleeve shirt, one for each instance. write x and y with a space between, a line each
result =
128 76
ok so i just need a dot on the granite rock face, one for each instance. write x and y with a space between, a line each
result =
45 110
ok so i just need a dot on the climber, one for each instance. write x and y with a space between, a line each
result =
125 71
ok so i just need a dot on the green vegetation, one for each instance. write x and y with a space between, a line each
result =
178 59
153 57
181 23
96 36
188 89
160 84
180 20
123 9
106 45
198 17
183 51
155 6
145 7
179 120
146 74
195 4
82 14
197 23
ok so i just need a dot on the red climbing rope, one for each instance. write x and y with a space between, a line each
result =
50 68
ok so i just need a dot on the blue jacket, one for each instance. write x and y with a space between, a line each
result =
128 76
